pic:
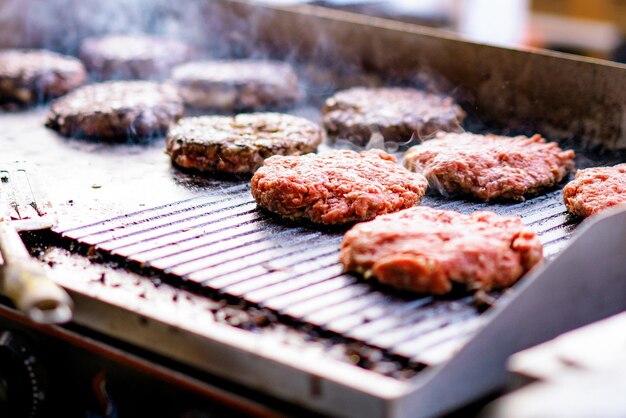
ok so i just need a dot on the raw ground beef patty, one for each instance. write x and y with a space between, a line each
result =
239 144
426 250
397 113
489 166
31 76
237 85
134 57
336 187
596 189
116 110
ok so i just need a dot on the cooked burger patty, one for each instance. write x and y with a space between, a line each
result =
490 166
237 85
427 250
239 144
31 76
133 56
596 189
397 113
336 187
116 110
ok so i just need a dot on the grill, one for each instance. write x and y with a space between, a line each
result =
212 243
221 242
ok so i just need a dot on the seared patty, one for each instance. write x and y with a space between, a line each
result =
397 113
239 144
240 85
116 110
489 166
32 76
123 57
596 189
426 250
336 187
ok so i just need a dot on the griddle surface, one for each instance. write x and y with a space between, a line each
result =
208 232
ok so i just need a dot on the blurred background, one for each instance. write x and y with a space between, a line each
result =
591 28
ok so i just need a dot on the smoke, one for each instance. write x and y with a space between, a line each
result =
323 60
61 25
377 141
391 146
215 30
435 184
322 55
394 146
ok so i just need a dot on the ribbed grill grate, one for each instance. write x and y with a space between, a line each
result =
222 241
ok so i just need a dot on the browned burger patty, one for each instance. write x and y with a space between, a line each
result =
116 110
336 187
29 77
240 85
596 189
396 113
239 144
427 250
141 57
490 166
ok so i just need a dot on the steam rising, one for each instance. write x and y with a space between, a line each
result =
216 32
378 141
434 183
62 24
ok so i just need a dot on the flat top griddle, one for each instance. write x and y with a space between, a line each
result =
206 233
557 95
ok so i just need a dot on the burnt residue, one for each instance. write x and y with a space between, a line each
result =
228 310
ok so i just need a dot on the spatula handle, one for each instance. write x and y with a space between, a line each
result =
25 282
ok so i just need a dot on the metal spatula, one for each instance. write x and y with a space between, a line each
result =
23 279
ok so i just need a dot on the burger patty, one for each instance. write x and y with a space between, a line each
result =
490 166
426 250
596 189
116 110
239 144
240 85
133 56
336 187
29 77
397 113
